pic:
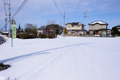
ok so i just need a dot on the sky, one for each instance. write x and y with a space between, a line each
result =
39 12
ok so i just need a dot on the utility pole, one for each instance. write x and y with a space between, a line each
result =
85 15
64 23
13 31
6 24
5 3
64 18
9 20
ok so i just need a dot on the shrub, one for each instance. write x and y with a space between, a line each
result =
26 36
42 36
51 36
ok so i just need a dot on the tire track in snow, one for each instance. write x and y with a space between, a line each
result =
48 62
45 65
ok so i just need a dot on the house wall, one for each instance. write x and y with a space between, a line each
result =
102 33
91 32
75 27
74 33
40 31
97 27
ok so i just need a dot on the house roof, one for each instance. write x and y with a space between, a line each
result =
118 26
98 22
5 32
41 28
75 23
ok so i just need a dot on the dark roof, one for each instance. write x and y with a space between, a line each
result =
74 23
41 28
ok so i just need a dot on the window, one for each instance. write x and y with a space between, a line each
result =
68 25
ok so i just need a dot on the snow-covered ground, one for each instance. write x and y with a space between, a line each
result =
62 58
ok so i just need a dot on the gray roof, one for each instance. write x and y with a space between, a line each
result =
98 22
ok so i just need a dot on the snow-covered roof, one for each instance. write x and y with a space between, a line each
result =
98 22
5 32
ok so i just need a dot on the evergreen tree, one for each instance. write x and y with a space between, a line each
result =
22 30
115 31
19 29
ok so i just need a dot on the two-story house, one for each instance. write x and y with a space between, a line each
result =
75 29
99 28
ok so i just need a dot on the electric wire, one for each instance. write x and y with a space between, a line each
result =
60 11
21 6
74 10
57 8
17 11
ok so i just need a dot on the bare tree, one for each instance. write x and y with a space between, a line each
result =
51 22
31 28
43 27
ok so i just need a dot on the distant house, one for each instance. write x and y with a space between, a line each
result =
75 29
99 28
41 31
54 29
5 33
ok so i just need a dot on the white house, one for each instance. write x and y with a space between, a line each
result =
75 29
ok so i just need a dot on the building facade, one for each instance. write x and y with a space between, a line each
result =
75 29
99 28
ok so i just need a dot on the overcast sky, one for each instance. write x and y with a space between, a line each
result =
39 12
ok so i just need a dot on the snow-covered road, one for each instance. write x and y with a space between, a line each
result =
63 58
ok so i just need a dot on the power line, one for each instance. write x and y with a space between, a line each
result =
18 10
75 9
21 6
57 8
78 4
